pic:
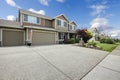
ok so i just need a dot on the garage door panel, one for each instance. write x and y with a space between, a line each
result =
43 38
12 38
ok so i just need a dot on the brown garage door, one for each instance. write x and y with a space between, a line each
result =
13 38
43 38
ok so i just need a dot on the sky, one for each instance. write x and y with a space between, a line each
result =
101 14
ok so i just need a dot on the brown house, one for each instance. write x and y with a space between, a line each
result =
35 28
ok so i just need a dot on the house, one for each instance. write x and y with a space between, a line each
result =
36 29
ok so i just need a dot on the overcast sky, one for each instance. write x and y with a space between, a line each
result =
102 14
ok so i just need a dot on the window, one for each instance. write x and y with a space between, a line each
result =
25 17
31 19
61 23
65 24
72 27
58 22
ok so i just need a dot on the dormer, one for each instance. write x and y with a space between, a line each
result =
72 26
61 22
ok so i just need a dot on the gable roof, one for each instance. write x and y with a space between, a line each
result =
73 22
33 14
63 16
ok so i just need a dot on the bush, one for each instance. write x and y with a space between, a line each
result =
66 41
84 34
72 40
77 40
91 44
106 40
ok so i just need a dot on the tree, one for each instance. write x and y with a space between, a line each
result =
84 34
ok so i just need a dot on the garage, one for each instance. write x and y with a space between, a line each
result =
43 37
13 37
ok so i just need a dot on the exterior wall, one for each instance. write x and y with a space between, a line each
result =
44 21
41 24
28 35
54 23
0 34
8 23
48 23
61 17
57 27
56 37
0 37
70 30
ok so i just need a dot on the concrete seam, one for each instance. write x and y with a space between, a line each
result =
52 65
93 67
109 68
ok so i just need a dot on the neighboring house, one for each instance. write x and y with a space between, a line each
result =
35 28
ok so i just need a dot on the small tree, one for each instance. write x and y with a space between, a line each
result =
84 34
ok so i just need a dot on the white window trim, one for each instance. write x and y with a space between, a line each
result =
31 22
62 23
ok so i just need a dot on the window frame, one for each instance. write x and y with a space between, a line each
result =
38 20
61 23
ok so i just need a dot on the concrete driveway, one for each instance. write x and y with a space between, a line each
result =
53 62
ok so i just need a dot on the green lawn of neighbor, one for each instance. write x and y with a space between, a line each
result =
107 47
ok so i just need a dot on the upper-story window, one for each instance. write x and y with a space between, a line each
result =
31 19
65 24
72 27
61 23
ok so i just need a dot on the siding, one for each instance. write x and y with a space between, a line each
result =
48 23
42 23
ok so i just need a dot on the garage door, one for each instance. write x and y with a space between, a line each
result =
43 38
13 38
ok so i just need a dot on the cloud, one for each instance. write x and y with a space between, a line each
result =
98 9
99 23
114 33
104 2
103 26
12 3
44 2
11 17
60 1
39 12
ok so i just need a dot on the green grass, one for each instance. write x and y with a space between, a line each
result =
107 47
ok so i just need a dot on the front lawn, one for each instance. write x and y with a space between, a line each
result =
107 47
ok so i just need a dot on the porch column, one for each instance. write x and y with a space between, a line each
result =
1 34
26 34
68 35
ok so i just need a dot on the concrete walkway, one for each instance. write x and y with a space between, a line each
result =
108 69
53 62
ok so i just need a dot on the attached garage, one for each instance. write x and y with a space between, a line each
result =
43 37
13 37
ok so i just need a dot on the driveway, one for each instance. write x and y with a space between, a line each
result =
53 62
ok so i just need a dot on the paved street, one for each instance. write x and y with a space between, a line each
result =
53 62
108 69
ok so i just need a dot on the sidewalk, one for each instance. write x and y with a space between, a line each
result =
108 69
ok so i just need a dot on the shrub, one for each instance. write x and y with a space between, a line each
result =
77 40
106 40
91 44
72 40
103 40
84 34
66 41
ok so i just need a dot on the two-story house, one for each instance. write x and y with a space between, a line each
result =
35 28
